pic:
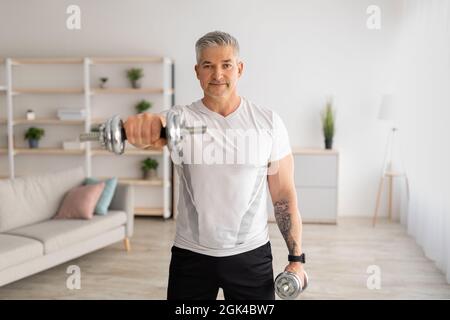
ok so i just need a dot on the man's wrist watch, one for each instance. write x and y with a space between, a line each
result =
300 258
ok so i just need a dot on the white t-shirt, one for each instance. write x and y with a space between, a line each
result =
222 204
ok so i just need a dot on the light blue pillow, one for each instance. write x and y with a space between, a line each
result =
105 199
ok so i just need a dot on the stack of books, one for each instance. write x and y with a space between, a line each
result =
73 145
71 114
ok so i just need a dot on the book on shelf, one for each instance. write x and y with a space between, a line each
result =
71 114
73 145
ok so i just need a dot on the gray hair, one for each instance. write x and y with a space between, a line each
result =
215 39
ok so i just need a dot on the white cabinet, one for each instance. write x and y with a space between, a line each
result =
316 183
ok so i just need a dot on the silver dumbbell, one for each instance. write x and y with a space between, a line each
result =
112 135
288 285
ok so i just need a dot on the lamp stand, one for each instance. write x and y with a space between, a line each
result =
388 173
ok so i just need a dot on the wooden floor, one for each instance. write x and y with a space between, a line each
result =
337 262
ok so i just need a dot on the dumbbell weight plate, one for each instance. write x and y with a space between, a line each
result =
288 285
117 141
174 122
108 136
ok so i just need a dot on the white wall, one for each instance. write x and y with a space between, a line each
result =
295 53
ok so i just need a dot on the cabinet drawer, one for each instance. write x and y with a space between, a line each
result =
317 204
315 170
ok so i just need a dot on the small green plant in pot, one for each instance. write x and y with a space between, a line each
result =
33 135
328 124
149 167
134 75
143 106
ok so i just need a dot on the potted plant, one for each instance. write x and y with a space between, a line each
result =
143 106
328 124
149 167
103 81
34 135
134 75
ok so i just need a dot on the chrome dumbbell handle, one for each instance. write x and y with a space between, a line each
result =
95 136
112 134
90 136
195 130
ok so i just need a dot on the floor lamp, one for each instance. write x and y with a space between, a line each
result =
387 112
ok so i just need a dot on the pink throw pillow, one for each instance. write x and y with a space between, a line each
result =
80 202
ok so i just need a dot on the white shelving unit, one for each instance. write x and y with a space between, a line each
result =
89 93
3 123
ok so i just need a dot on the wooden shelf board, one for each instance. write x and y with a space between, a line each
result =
48 121
130 91
48 91
137 182
141 182
142 211
130 152
23 61
93 60
47 151
312 151
106 60
96 121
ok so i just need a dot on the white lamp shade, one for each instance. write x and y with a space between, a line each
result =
387 108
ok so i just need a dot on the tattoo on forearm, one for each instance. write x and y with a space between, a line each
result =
283 218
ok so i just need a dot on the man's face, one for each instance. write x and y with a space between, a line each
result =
218 71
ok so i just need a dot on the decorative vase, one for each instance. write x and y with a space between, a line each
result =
328 143
33 143
30 115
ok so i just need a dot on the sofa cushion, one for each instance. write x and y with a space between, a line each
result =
32 199
59 234
107 195
15 250
80 202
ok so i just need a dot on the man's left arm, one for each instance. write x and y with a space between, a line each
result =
284 198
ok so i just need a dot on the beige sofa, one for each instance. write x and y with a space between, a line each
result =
31 241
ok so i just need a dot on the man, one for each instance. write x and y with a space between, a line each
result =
222 233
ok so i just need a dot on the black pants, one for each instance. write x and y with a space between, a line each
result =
245 276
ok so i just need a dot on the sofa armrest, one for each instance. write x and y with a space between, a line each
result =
124 200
